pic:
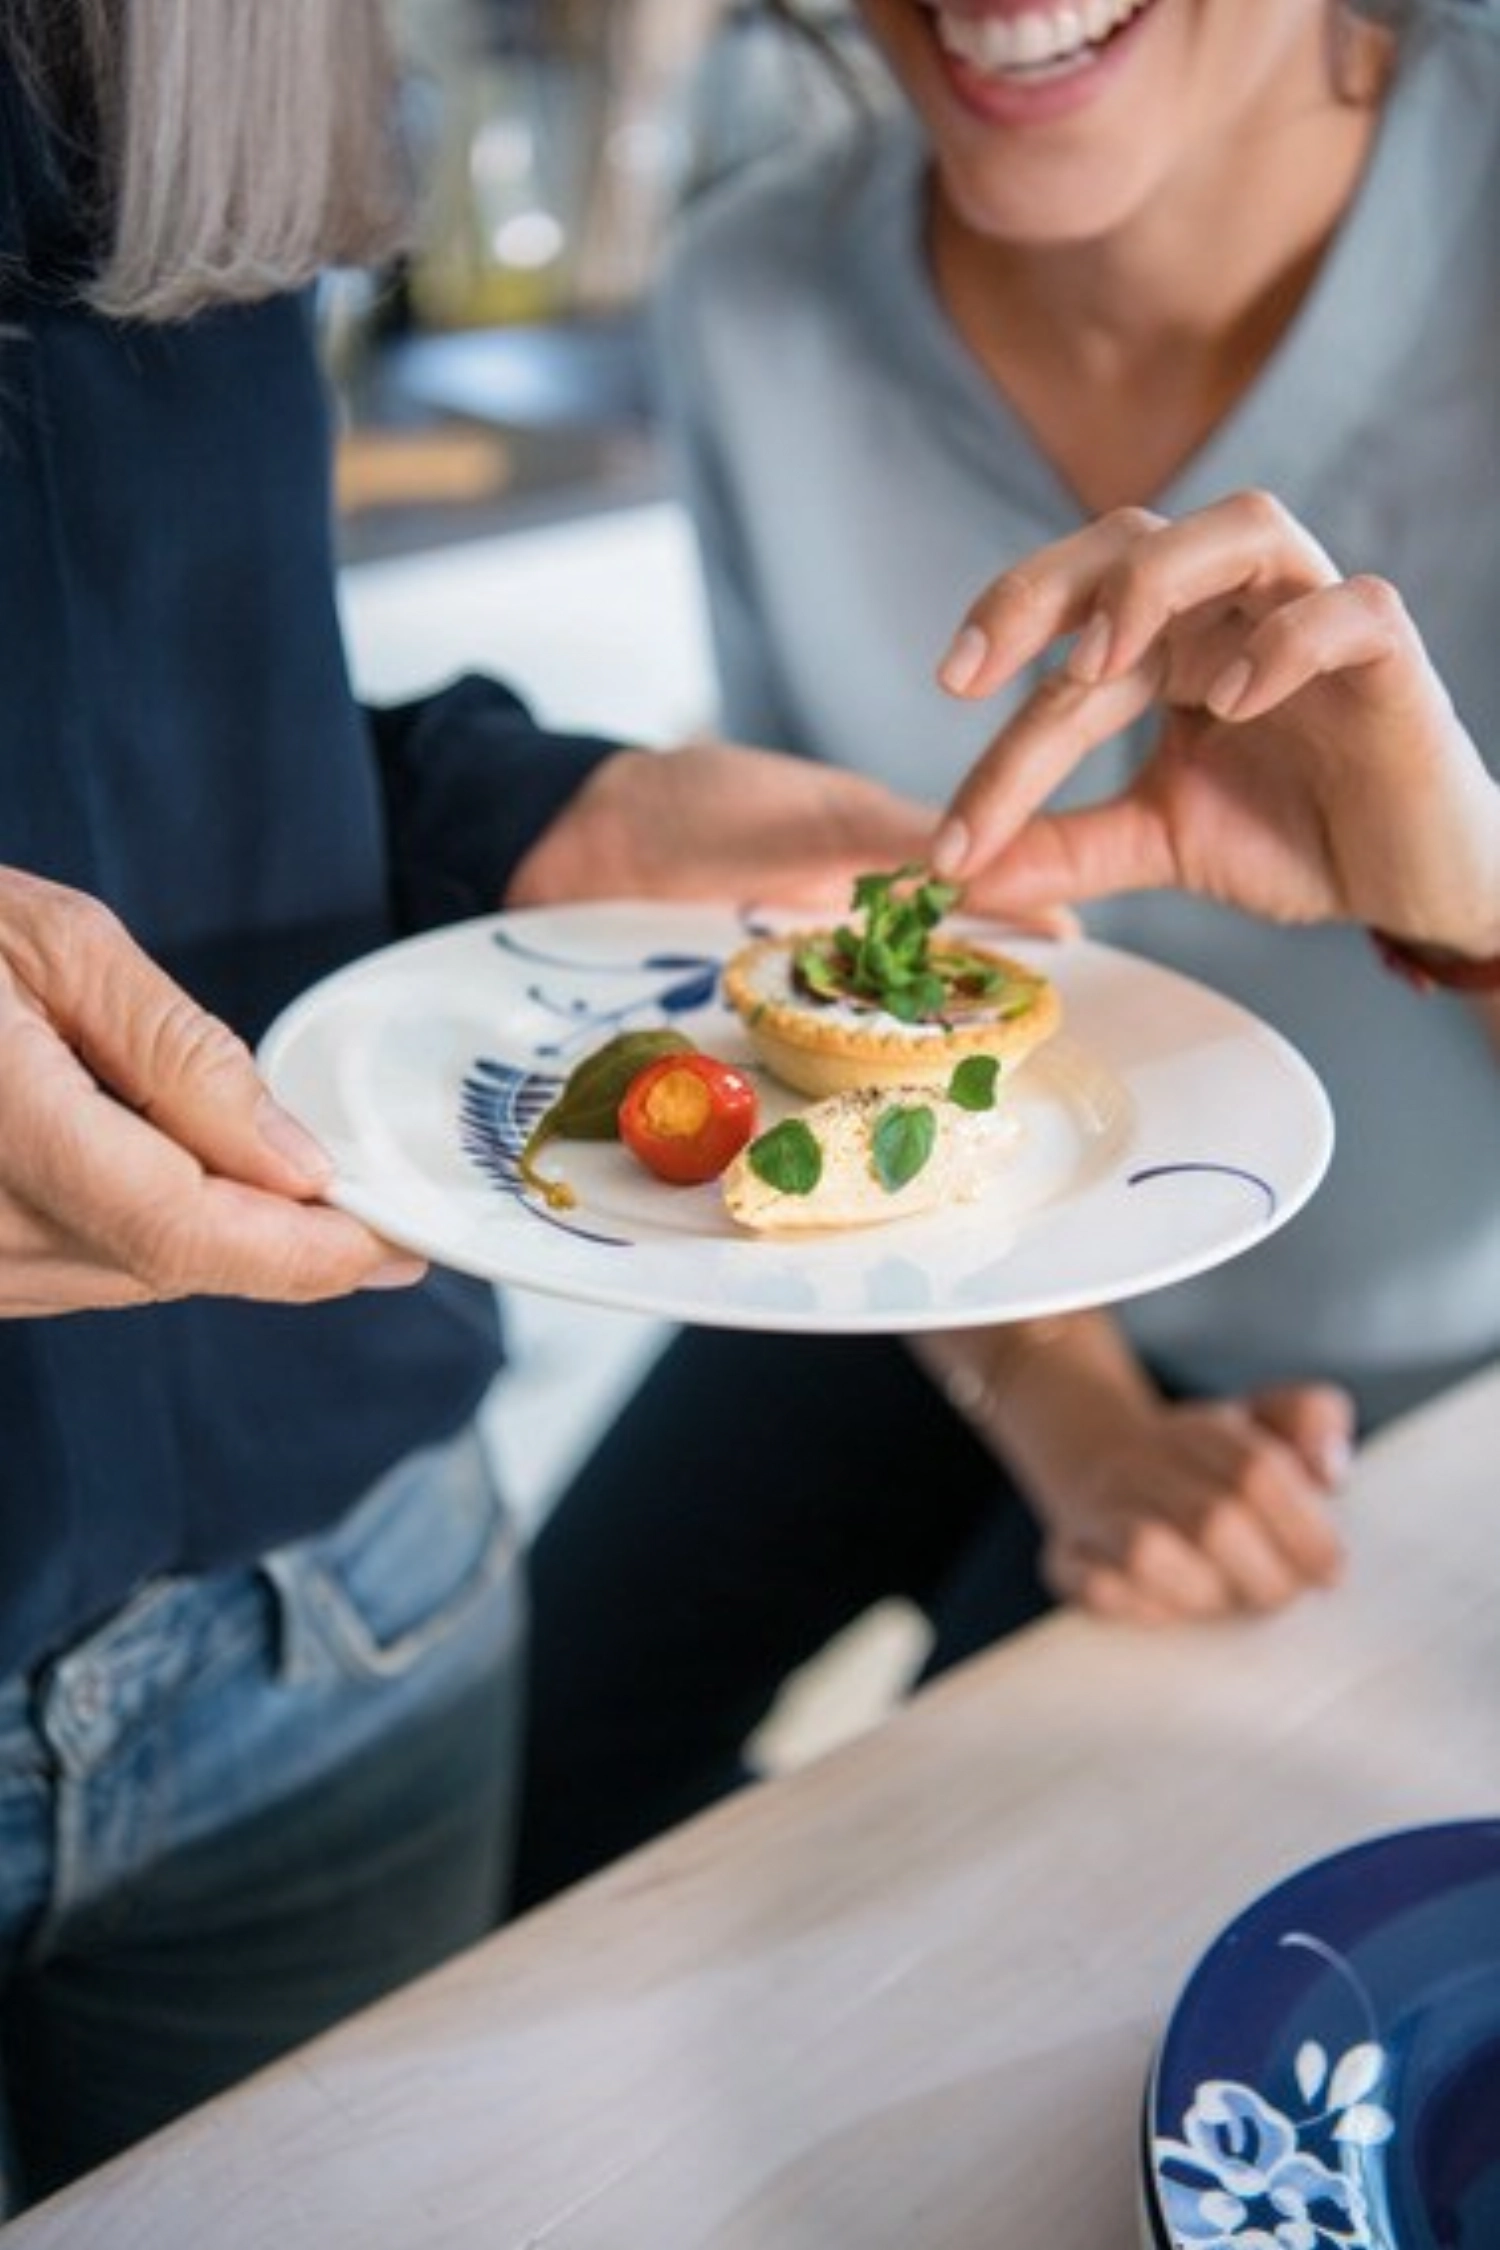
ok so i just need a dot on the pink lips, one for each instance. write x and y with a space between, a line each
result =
1020 101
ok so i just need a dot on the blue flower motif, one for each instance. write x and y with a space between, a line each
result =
674 984
1243 2178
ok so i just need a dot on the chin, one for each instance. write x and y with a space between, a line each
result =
1056 207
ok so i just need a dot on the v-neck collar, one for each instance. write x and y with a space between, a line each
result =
1367 308
1430 159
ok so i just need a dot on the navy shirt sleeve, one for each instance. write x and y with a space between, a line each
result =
469 782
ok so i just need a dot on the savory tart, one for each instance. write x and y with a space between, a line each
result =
884 1002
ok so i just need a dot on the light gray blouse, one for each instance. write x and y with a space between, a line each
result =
855 480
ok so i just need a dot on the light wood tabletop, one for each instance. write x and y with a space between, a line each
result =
908 1996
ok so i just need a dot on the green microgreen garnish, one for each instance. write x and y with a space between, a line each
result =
888 961
901 1143
972 1085
787 1157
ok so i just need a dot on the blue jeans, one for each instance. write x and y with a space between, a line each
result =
249 1804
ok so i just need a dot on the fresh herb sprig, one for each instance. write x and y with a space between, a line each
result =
887 961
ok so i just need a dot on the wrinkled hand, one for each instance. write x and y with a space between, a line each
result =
1309 764
140 1155
1205 1511
716 821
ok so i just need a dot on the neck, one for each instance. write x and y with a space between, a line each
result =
1124 353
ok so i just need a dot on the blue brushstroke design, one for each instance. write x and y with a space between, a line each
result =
499 1106
1150 1172
691 980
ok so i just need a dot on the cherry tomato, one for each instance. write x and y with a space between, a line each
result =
686 1116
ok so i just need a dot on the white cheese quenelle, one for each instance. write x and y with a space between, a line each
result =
863 1141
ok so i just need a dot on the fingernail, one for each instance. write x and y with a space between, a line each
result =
1090 651
396 1273
964 660
950 849
1333 1456
291 1141
1228 690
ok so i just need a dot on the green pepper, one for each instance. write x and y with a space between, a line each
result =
588 1108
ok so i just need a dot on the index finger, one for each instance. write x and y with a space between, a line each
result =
1017 617
1061 722
1024 610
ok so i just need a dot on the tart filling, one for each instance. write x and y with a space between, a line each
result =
830 1045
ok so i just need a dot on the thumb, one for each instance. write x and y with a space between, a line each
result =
1316 1420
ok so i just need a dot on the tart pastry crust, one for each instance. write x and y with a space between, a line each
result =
822 1047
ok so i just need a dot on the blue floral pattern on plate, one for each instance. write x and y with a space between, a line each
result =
499 1108
664 984
500 1104
1330 2079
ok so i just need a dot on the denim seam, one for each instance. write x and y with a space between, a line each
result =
347 1637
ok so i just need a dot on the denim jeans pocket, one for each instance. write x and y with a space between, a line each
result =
410 1565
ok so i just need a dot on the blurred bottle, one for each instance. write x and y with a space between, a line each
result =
560 144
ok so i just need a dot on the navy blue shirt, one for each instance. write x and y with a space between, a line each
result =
178 736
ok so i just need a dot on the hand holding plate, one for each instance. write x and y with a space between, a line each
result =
140 1154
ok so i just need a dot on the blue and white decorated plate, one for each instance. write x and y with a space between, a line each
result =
1162 1130
1330 2078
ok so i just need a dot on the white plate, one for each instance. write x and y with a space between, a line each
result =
1163 1130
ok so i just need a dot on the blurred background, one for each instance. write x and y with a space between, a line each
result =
497 375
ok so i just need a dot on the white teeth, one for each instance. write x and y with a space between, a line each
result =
1039 39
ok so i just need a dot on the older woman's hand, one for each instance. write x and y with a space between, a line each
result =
140 1155
1309 764
715 820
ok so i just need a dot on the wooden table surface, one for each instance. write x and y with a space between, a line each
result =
908 1996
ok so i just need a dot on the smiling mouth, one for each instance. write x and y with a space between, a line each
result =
1040 43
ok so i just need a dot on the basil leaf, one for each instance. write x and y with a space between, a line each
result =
788 1157
901 1144
936 899
972 1085
819 970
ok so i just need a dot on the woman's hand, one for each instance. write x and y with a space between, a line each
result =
140 1155
1203 1510
715 821
1309 764
1152 1510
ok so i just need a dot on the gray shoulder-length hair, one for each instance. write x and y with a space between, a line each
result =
236 147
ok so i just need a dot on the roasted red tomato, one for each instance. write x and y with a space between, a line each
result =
686 1116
